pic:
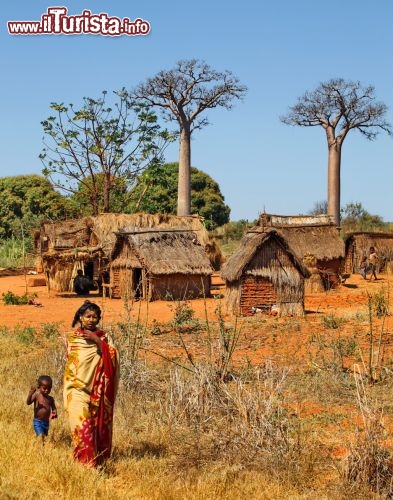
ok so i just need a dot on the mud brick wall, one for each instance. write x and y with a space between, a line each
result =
256 292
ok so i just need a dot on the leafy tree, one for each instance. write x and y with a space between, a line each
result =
156 192
183 94
25 201
119 195
339 106
354 217
95 145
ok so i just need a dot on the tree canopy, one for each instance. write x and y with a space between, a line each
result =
25 201
119 195
156 192
339 106
354 217
183 94
99 143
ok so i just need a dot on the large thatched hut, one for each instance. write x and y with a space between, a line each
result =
316 240
88 243
264 274
159 263
358 244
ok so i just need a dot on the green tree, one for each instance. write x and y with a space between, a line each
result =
183 94
119 195
97 144
156 192
25 201
354 217
339 106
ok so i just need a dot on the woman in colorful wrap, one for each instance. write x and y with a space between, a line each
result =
91 378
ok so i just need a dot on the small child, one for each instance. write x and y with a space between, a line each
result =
373 261
44 405
363 267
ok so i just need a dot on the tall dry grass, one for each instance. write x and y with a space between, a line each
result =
182 430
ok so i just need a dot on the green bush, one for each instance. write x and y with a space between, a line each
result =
25 334
16 253
10 298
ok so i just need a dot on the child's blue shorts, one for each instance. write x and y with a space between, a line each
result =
40 426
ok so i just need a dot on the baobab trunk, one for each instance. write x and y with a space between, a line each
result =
334 163
184 189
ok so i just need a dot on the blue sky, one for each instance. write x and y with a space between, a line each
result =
278 49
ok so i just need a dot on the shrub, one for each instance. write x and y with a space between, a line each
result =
25 334
10 298
332 322
380 302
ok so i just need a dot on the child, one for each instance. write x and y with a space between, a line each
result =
363 267
44 406
373 261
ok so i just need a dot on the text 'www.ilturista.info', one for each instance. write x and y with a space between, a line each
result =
56 22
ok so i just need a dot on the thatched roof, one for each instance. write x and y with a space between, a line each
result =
315 235
174 251
64 235
324 242
251 242
98 234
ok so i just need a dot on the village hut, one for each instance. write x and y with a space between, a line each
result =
357 245
316 240
87 243
264 275
159 264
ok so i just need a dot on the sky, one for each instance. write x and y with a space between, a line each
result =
277 49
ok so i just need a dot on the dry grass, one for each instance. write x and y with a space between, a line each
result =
190 433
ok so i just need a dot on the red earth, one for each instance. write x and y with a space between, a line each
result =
56 307
258 337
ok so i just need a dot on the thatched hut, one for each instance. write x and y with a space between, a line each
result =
358 244
88 243
316 240
264 274
154 264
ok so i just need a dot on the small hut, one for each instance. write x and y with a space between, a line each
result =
264 274
159 264
358 244
316 240
87 243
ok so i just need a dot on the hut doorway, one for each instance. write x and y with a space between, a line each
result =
137 283
89 270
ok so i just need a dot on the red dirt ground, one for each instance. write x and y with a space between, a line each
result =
60 308
287 342
281 339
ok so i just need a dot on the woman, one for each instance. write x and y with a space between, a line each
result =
91 378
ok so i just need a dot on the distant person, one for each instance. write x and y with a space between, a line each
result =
363 267
82 284
372 263
44 406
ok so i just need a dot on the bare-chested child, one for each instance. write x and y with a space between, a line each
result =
44 405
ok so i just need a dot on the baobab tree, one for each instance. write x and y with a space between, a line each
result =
183 94
339 106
